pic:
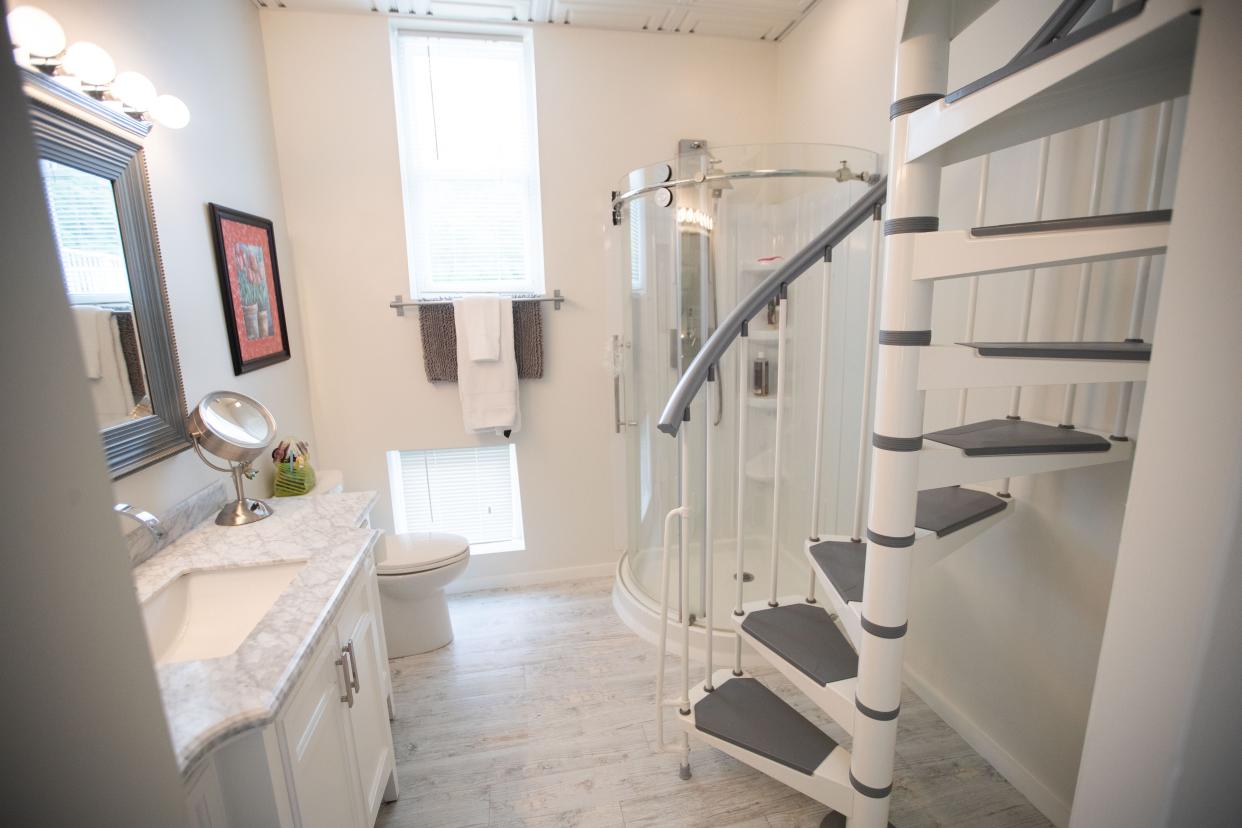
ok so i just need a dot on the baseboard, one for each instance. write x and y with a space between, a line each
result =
543 576
1052 806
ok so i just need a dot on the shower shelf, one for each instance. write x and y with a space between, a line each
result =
759 468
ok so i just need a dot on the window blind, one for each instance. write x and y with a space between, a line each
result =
466 491
469 157
88 235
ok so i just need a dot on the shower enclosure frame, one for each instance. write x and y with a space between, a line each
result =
697 180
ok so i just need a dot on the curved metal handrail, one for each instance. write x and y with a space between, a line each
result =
731 327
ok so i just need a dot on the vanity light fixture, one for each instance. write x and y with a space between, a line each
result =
37 37
134 91
39 43
90 64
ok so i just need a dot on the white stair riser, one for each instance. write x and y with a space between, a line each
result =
958 366
955 253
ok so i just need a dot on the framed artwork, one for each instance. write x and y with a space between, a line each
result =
254 310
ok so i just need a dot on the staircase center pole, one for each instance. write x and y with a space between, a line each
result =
905 325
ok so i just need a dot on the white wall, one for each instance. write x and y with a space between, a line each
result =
607 102
1005 634
1165 733
209 55
86 741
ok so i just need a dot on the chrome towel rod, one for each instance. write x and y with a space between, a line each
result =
399 304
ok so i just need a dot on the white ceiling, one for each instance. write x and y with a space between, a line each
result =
747 19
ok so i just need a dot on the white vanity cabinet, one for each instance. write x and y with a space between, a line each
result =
328 758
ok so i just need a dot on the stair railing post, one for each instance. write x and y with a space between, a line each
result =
743 352
820 394
1135 331
972 298
1028 287
905 325
662 647
783 314
1084 273
684 604
864 427
708 545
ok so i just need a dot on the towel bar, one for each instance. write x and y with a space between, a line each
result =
399 304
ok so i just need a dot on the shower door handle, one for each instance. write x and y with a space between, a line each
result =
618 416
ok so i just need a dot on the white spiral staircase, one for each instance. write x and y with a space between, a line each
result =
845 654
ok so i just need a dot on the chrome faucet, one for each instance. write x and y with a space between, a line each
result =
150 521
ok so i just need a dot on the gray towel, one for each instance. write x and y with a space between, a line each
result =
439 334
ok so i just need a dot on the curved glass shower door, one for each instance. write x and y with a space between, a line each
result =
695 234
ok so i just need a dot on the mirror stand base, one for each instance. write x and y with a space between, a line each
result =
241 512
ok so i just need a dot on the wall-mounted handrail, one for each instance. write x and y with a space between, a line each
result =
731 326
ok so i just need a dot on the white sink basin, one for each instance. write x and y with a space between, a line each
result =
209 613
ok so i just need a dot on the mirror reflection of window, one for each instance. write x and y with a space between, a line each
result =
88 238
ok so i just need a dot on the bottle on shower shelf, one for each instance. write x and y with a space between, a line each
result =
761 373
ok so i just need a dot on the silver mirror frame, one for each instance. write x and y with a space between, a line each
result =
76 130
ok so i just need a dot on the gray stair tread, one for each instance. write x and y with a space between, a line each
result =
948 509
1136 351
843 562
743 712
1075 223
805 636
993 437
1023 61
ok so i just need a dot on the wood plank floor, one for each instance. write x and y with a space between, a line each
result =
539 715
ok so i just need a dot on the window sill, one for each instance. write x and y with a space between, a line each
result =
514 545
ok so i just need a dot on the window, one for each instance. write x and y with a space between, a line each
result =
469 164
84 220
466 491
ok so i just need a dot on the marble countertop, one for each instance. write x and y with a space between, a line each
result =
207 702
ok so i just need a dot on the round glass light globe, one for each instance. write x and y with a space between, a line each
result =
36 31
169 111
89 63
134 90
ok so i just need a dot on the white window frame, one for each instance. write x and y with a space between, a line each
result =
399 508
423 285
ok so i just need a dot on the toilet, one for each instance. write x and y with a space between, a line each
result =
412 577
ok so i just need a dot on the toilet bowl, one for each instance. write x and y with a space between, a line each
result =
413 573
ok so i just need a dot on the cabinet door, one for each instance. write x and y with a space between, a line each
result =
369 715
315 728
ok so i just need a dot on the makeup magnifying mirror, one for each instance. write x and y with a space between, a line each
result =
237 429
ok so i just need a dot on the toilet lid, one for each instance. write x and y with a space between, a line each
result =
419 551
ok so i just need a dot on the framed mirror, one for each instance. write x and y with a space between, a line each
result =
95 179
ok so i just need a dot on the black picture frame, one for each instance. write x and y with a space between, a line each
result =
220 214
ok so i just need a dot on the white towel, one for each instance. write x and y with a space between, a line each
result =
92 323
489 390
479 318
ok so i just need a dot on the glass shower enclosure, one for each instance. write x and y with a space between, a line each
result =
691 236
